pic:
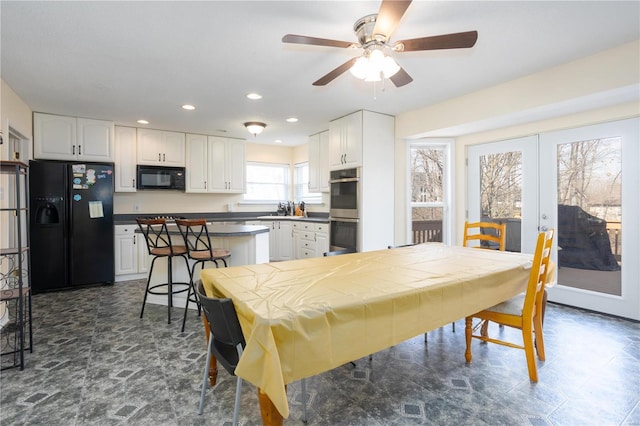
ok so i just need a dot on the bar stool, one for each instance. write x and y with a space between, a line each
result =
198 243
159 245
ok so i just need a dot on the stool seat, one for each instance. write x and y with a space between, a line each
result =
206 254
168 251
159 246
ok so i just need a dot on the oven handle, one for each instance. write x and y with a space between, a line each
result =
343 219
354 179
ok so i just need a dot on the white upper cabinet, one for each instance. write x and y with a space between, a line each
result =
58 137
161 148
197 163
125 159
226 168
345 141
319 162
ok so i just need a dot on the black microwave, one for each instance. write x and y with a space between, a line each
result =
161 177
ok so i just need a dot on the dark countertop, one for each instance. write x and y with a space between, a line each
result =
217 230
130 219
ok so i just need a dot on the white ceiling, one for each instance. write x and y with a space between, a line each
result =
124 61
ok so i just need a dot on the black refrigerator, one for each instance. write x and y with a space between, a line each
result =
71 219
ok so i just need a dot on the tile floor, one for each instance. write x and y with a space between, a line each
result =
96 363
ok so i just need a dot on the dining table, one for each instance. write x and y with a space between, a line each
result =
304 317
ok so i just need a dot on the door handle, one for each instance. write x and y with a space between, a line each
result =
73 150
79 149
159 157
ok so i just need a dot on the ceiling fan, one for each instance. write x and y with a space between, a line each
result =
374 34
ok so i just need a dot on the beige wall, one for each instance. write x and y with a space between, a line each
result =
14 113
578 93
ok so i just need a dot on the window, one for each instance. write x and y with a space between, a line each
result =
301 185
429 177
267 182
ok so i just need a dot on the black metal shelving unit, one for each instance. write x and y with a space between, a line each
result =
15 289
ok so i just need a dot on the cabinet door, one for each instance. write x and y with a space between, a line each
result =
236 170
285 240
125 159
149 147
217 168
54 137
143 253
173 152
197 160
323 162
352 142
314 163
274 250
336 131
126 256
322 243
95 140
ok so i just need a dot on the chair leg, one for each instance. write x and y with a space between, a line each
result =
537 328
304 400
169 288
453 326
236 408
192 290
467 334
146 290
205 375
527 338
425 337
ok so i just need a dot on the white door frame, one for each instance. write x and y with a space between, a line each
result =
628 303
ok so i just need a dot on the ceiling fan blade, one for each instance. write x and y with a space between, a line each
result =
329 77
391 11
444 41
401 78
299 39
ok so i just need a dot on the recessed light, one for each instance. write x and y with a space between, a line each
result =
188 107
143 122
292 120
254 96
278 141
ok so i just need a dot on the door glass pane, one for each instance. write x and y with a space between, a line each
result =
590 215
427 193
501 193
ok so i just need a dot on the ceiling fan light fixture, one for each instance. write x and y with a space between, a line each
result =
389 67
255 127
360 67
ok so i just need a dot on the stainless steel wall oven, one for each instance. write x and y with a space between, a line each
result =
344 209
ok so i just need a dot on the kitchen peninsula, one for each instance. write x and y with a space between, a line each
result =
249 245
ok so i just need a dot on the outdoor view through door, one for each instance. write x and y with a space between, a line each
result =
589 209
590 215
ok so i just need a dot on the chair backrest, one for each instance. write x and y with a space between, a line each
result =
155 234
195 234
539 274
222 318
486 233
338 252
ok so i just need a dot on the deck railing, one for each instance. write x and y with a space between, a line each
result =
427 231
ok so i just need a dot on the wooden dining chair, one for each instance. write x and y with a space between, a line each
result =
523 312
490 235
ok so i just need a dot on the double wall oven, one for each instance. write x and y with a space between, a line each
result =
345 189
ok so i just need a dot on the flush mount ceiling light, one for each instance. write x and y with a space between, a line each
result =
255 127
254 96
292 120
143 122
188 107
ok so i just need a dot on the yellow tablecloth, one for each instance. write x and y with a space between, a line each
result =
304 317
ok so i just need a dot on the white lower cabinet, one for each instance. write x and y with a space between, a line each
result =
280 239
126 254
131 253
310 239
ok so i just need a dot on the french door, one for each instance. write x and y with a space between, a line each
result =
584 183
